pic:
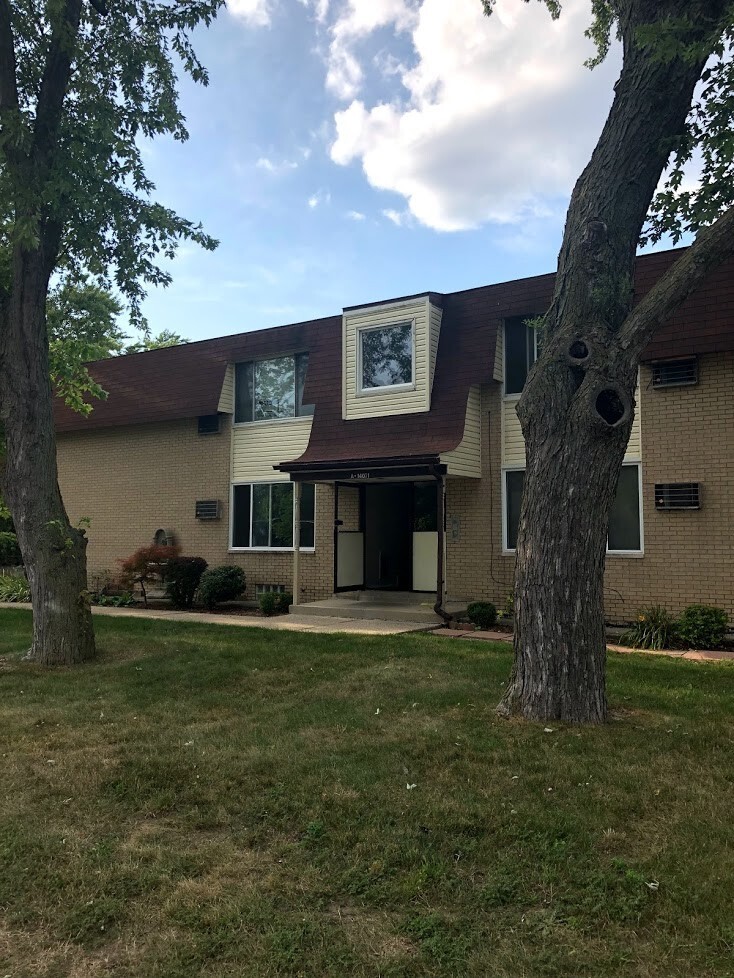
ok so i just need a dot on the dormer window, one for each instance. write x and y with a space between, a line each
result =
386 357
269 390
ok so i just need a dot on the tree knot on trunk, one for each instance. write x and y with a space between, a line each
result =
594 239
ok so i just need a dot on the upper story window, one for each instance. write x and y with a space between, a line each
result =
520 353
267 390
385 357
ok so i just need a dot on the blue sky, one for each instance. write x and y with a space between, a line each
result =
355 150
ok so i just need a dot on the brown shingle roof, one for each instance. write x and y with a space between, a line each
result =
186 381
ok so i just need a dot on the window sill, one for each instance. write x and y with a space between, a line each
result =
634 554
270 550
272 421
388 389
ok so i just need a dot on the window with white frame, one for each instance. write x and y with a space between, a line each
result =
386 357
267 390
625 520
263 517
520 352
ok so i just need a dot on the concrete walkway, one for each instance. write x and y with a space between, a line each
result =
279 623
360 626
697 655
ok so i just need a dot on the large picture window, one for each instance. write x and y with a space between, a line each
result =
625 521
385 357
263 518
267 390
520 353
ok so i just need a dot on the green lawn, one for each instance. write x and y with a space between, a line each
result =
213 801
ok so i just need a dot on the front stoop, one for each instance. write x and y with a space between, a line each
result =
402 606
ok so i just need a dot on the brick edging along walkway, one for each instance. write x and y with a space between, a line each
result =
695 655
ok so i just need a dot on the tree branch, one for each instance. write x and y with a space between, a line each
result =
8 81
55 82
712 246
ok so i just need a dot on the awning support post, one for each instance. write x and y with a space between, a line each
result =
441 527
297 543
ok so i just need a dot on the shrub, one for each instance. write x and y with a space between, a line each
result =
285 600
482 613
702 626
655 628
146 565
124 600
182 576
269 603
221 584
14 589
9 550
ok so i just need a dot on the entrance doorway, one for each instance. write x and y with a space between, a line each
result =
386 536
388 517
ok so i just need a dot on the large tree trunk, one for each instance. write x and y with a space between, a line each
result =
578 405
53 551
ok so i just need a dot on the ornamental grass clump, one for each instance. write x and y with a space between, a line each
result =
655 628
15 589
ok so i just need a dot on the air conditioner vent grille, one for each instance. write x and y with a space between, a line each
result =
675 373
209 424
678 495
208 509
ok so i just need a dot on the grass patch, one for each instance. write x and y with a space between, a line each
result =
213 801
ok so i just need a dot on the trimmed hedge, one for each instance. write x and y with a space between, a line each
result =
182 576
482 613
219 584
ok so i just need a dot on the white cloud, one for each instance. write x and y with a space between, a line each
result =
359 19
270 166
494 119
320 197
355 215
254 12
398 218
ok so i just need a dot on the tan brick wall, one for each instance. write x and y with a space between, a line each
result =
475 567
687 436
131 481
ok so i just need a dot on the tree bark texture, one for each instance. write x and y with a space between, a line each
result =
54 552
578 404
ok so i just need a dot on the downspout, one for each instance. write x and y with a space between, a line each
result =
441 525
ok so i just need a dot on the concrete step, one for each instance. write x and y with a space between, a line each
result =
418 608
417 598
370 611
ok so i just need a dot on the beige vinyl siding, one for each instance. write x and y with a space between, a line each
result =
226 398
436 315
513 443
499 357
634 445
381 403
466 459
257 447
